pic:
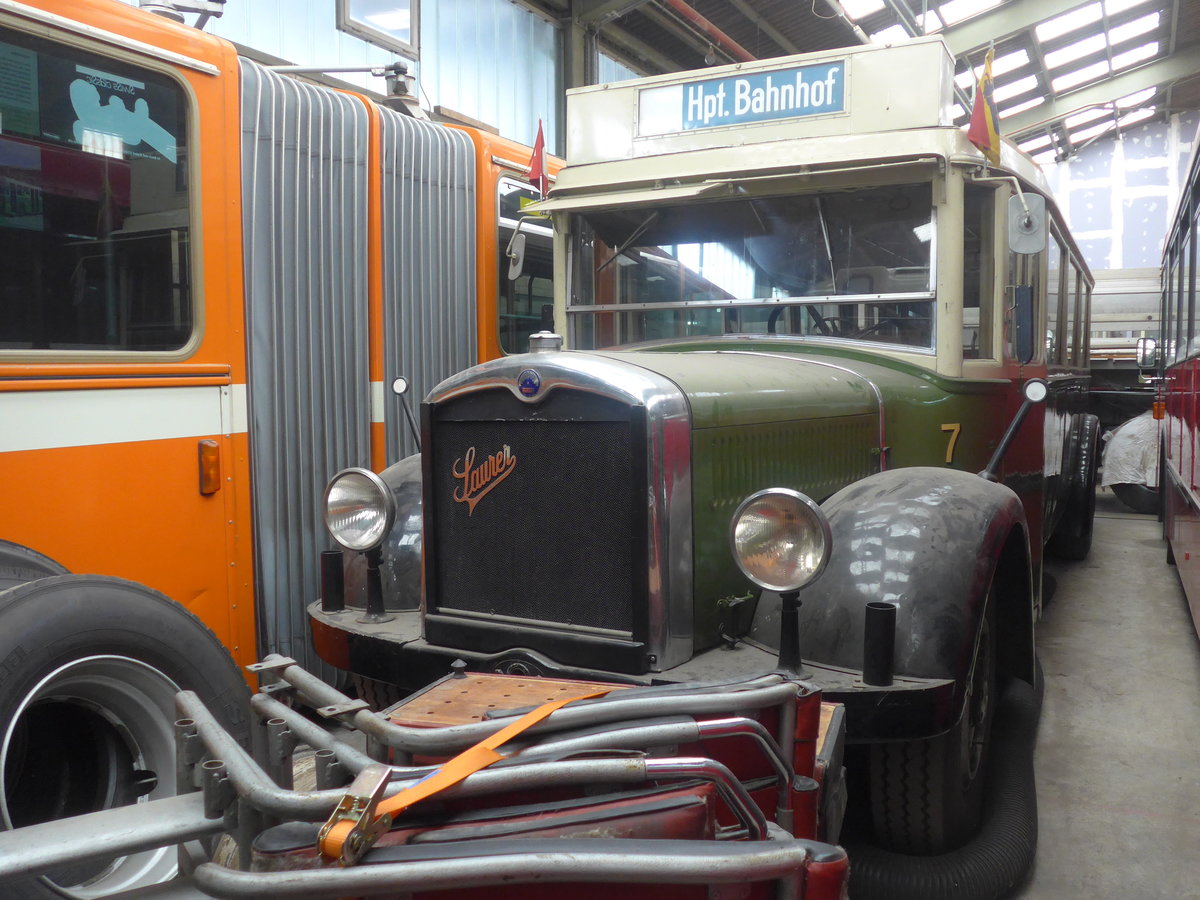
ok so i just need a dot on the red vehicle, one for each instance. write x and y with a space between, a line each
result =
1179 353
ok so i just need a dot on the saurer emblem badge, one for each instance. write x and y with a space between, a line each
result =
476 481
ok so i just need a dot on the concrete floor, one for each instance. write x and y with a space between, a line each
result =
1118 748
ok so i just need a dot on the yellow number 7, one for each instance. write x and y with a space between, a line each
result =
953 430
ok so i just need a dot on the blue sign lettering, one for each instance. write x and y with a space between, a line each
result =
805 91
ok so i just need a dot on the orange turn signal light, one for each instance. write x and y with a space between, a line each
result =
1159 409
210 467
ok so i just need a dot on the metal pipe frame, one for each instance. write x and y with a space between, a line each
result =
618 706
232 782
255 787
474 864
35 849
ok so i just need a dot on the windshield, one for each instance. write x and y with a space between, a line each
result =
845 265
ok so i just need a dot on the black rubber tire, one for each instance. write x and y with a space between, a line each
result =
1139 498
91 666
927 795
1072 538
20 564
377 694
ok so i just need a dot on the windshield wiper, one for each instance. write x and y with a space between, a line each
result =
825 235
633 236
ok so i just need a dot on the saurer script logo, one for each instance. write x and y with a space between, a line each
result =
478 480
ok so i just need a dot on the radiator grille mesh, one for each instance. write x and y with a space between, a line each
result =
552 539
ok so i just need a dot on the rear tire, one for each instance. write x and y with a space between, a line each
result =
927 796
91 668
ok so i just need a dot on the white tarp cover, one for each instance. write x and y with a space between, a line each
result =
1131 454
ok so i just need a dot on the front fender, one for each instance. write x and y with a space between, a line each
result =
930 541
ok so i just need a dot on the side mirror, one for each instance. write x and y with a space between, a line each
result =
516 255
1026 223
1147 353
400 386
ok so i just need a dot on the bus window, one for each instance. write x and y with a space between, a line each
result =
1072 326
1187 293
1024 269
1057 287
93 203
977 272
526 303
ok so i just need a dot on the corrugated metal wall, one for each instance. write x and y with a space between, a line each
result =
496 61
304 183
428 262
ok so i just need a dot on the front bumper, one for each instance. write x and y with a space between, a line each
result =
395 652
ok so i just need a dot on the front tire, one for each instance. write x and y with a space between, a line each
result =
927 795
91 668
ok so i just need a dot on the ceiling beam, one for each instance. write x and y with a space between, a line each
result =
631 47
597 12
1003 22
1185 63
765 27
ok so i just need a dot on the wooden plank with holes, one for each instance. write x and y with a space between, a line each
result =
473 697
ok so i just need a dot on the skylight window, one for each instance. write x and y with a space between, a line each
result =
1022 106
930 23
1036 143
1003 92
1002 65
1084 134
890 35
1046 159
1138 98
1134 56
1112 7
1138 115
1080 76
1068 22
1078 50
860 9
1133 29
1088 115
957 10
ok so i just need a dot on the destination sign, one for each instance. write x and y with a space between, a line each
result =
743 99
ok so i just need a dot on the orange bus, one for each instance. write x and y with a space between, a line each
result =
208 273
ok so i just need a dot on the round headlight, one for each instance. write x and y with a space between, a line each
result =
358 509
780 539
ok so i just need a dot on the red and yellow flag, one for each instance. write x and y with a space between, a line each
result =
538 176
984 131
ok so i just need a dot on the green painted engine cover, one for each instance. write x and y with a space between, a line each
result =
773 414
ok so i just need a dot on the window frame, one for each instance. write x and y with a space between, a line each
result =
347 22
189 165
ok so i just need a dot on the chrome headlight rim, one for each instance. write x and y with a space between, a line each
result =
374 535
811 518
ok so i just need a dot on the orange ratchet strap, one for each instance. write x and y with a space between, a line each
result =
363 815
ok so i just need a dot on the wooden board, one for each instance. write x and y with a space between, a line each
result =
470 698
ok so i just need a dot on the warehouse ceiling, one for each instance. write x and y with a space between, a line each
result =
1065 72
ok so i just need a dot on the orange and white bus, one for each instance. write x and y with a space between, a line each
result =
208 273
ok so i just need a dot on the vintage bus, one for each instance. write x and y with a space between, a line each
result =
209 272
1179 354
796 277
